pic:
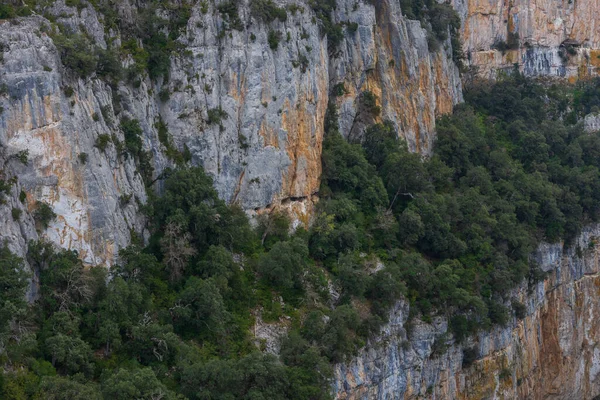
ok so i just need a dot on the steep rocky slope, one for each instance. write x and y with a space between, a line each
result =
543 37
553 353
265 150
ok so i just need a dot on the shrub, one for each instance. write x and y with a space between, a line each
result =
16 213
109 66
83 157
216 115
43 214
369 102
511 43
102 142
76 54
164 95
323 10
7 11
133 135
274 38
267 11
352 27
22 156
68 91
520 309
229 13
469 356
338 89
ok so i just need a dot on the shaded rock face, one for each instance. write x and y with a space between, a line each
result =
264 153
543 37
553 353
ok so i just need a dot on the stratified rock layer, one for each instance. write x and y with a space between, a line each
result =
553 353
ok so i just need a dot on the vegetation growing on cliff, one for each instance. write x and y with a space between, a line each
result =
451 233
507 173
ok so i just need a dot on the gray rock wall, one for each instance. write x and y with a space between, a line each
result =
264 154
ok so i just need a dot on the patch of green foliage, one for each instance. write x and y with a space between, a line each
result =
148 331
267 11
274 38
9 11
216 115
134 147
229 12
79 55
102 142
323 10
166 140
43 214
507 173
76 53
153 39
586 99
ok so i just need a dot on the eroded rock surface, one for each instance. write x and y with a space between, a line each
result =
553 353
545 38
264 152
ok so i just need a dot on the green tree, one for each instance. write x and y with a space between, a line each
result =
284 265
64 346
200 309
142 383
14 281
62 388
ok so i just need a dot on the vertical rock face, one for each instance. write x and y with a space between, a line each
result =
543 37
268 147
553 353
388 55
56 129
264 152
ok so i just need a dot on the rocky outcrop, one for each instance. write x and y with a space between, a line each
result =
553 353
591 122
265 150
543 37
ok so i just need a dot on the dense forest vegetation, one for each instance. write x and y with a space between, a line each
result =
451 233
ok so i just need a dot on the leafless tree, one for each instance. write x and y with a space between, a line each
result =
177 249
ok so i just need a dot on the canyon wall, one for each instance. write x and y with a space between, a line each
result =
552 353
545 38
263 153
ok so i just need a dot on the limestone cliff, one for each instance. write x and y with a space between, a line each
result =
264 153
553 353
544 37
389 56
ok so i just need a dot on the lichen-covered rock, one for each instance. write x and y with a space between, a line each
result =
553 353
263 148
